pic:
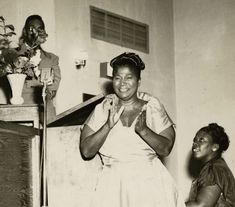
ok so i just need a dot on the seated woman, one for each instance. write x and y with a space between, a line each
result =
215 185
130 130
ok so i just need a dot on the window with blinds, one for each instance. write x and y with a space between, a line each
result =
119 30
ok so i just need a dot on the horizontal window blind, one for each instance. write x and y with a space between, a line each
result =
119 30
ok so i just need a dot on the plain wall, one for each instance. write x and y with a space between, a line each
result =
205 75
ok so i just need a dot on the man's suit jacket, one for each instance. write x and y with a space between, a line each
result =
32 91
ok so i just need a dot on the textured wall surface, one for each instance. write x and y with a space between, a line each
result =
70 178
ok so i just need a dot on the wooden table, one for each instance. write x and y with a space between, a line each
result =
27 114
13 141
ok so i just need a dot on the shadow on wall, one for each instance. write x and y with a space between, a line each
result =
107 86
5 87
193 167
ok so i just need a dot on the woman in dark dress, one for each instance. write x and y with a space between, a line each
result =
215 184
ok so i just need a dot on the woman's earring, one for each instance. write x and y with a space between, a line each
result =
215 148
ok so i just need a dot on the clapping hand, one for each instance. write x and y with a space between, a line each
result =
111 105
141 125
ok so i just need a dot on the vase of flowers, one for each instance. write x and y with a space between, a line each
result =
18 63
16 82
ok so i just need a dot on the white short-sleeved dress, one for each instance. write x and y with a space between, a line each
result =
132 174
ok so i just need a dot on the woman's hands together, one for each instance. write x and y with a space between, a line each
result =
111 105
141 125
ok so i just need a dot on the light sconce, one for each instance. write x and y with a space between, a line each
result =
80 61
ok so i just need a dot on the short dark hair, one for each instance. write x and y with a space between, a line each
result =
218 135
131 60
29 19
32 18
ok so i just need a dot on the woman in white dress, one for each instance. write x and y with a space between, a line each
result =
130 130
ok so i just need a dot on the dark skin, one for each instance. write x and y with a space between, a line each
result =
204 149
35 35
207 197
125 106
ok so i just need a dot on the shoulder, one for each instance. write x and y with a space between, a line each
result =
153 103
219 165
98 117
49 55
216 172
150 99
157 117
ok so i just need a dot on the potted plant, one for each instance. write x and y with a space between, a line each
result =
17 63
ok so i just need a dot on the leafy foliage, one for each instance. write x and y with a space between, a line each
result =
17 60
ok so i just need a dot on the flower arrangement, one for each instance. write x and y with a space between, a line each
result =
19 59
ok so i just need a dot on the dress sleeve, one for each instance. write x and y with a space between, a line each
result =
157 117
97 118
214 175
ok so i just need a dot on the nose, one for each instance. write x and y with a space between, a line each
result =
195 144
123 82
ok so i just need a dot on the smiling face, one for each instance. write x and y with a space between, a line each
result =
204 149
125 83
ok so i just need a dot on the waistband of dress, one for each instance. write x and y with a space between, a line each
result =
109 161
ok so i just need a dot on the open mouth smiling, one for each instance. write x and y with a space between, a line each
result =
123 89
196 150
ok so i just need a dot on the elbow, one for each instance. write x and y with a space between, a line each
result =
86 153
169 143
165 152
169 148
166 149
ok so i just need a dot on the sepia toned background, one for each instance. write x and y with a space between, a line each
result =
189 67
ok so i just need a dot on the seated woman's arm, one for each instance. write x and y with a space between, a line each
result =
207 197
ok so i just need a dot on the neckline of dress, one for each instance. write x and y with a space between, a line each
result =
134 121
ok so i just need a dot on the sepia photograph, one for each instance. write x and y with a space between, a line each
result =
113 103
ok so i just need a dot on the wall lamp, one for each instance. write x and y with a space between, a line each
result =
80 61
